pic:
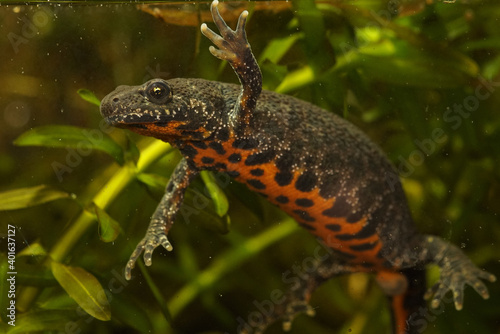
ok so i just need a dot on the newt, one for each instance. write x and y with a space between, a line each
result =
314 165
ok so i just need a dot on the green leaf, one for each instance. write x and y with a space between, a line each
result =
109 229
88 96
132 152
84 288
278 47
401 62
33 249
57 300
218 197
296 79
27 197
193 209
154 182
44 321
273 75
32 274
83 141
130 313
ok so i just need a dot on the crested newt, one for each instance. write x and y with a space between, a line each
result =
314 165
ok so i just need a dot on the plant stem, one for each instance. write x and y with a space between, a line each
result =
228 261
106 195
151 153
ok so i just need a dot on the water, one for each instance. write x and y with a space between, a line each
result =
421 79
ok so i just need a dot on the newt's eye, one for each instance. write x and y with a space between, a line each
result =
159 92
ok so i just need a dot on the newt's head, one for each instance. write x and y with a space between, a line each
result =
166 109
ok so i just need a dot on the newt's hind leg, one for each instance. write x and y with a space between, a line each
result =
296 301
456 271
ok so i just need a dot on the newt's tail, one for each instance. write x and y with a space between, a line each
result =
407 307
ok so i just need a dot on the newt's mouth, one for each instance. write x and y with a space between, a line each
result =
129 119
121 108
166 131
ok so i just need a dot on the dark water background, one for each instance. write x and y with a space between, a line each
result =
421 78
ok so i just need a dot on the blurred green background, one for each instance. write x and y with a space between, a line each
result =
421 78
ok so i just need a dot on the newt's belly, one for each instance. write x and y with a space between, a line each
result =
299 192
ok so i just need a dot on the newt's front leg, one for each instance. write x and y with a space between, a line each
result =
233 47
164 216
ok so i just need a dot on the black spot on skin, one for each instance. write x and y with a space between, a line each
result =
220 166
189 151
170 187
234 158
283 178
307 227
259 158
139 126
233 173
342 255
388 264
284 162
256 184
197 136
364 247
304 202
192 164
367 264
367 231
245 143
207 160
200 144
354 217
333 227
217 147
282 199
306 182
340 208
189 126
304 215
257 172
223 134
330 186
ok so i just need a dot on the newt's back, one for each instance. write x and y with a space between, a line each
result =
323 171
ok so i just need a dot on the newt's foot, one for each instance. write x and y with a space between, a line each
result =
155 237
232 44
295 309
292 307
453 278
296 300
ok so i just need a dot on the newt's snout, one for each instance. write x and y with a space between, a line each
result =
116 102
149 103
